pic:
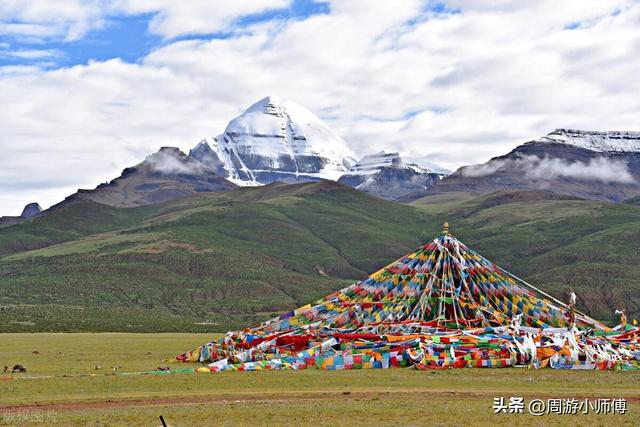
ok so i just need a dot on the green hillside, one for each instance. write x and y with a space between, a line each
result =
216 261
556 243
228 259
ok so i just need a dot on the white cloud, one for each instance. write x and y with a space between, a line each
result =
65 19
31 53
453 88
174 18
547 168
169 163
14 70
72 19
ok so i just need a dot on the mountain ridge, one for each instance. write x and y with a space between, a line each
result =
388 176
277 140
584 164
600 141
167 174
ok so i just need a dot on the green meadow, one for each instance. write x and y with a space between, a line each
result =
210 263
56 390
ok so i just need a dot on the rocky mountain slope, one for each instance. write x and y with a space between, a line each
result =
165 175
591 165
31 210
388 176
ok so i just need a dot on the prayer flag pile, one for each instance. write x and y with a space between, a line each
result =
441 306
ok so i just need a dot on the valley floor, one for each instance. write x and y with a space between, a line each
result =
56 390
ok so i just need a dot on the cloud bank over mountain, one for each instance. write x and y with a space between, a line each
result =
544 168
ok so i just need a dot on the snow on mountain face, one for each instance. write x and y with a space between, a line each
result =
386 175
604 142
204 154
276 140
585 164
373 163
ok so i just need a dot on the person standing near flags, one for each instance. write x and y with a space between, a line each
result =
572 308
572 299
623 318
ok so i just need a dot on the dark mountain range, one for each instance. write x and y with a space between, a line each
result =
591 165
162 176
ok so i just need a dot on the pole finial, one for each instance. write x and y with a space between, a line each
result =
445 227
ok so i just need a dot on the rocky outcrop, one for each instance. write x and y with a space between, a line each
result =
162 176
31 210
388 176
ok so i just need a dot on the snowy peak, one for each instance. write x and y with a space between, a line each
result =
275 116
585 164
276 140
386 175
284 128
604 142
373 163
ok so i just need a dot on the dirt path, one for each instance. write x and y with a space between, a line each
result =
231 398
226 398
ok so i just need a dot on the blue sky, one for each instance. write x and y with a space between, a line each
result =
122 37
88 87
128 37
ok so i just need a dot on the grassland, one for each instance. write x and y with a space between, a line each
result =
311 397
226 260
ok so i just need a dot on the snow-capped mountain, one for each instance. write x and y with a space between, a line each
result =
275 140
388 176
585 164
603 142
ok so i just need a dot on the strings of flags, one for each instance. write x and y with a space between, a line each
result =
441 306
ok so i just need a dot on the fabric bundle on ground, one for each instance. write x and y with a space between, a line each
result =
441 306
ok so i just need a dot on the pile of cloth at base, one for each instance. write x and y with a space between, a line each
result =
441 306
493 347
